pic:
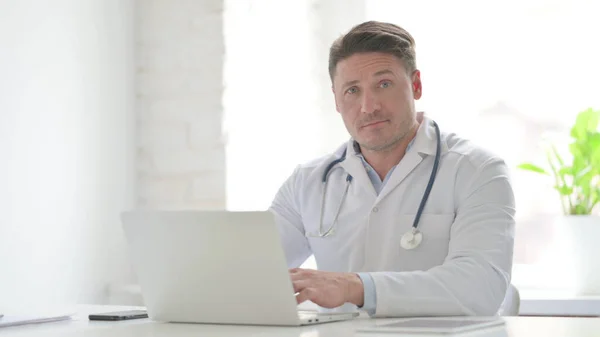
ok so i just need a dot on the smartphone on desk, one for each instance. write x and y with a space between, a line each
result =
119 315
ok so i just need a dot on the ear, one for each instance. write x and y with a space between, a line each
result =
417 85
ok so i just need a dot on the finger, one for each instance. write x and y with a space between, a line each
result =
300 285
300 274
297 277
306 294
295 272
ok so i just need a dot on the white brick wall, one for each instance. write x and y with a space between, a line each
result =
181 151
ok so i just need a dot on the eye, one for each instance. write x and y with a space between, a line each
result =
385 84
352 90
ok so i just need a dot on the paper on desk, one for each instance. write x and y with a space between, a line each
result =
14 320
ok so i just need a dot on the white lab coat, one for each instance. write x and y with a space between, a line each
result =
463 265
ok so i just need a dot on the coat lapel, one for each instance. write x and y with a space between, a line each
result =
425 144
410 161
354 166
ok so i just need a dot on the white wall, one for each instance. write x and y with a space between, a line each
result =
179 74
279 108
66 146
180 145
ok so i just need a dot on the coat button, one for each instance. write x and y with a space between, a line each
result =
375 209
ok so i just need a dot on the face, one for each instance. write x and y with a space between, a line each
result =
375 96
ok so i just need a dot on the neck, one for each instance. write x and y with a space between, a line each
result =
382 161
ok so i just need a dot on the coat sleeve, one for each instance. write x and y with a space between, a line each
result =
474 278
286 210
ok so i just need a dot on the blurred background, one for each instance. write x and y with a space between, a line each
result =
110 105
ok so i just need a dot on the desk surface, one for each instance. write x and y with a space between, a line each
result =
550 302
81 326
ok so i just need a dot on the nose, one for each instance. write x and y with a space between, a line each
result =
370 102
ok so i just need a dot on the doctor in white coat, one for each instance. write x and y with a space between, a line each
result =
403 219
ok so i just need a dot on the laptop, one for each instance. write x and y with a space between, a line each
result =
215 267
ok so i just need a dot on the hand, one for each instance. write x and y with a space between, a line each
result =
327 289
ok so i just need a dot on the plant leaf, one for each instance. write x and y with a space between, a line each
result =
566 201
566 170
594 154
577 151
578 182
564 190
587 120
532 168
583 180
595 160
587 171
594 139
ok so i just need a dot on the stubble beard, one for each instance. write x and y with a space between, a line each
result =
399 136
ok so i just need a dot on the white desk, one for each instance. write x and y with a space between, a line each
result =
557 303
80 326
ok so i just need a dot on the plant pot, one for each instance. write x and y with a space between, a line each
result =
580 236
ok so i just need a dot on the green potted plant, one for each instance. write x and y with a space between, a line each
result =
577 183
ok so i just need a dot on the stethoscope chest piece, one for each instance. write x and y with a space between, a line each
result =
411 239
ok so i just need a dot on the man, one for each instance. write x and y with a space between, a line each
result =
355 230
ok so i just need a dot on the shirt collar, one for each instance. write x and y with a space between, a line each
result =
359 153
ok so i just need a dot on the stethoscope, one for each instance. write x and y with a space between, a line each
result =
411 239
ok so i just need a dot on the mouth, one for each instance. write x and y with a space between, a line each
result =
376 123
